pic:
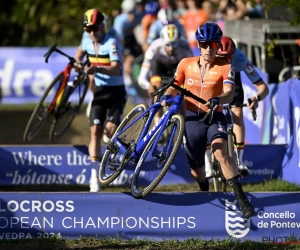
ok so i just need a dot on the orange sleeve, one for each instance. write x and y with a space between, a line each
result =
145 24
228 74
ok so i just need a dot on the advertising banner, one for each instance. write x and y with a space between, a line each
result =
65 165
254 129
159 216
24 74
291 162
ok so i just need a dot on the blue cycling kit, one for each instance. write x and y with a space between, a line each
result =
109 50
241 63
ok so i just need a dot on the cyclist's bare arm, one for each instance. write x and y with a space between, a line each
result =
79 55
228 94
262 89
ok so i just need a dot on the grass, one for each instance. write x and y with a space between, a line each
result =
118 243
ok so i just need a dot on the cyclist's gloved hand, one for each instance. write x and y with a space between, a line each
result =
92 69
163 99
77 66
213 103
252 103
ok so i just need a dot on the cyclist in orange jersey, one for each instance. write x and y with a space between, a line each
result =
151 10
212 79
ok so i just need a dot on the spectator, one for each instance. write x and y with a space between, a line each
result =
194 17
124 24
210 9
164 16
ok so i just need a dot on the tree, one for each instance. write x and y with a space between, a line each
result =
42 23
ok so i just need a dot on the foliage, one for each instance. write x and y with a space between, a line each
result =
42 23
291 5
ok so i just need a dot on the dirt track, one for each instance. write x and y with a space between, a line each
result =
13 123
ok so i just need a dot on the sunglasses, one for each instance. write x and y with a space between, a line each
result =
173 45
92 28
212 45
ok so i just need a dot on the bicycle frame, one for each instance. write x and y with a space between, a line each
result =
146 135
229 121
66 73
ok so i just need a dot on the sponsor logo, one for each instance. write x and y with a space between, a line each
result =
113 48
190 81
231 73
221 128
96 121
235 224
250 69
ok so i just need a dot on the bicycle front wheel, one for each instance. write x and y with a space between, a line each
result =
151 168
42 112
66 113
113 161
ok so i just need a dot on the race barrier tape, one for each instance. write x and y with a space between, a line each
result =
159 216
27 165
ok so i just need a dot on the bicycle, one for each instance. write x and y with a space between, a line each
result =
56 102
133 141
219 180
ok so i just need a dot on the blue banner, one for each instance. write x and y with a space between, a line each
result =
24 165
159 216
263 161
291 162
254 129
24 74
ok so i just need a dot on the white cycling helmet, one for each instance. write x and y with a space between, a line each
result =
107 21
169 34
165 14
128 6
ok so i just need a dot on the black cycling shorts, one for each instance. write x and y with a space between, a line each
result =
160 69
108 105
239 92
197 135
131 46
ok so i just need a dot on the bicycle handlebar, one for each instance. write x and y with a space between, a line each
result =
170 83
71 59
229 106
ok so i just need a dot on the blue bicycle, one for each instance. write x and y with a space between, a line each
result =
134 142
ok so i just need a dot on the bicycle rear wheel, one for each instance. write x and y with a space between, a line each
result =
41 112
65 114
114 161
163 154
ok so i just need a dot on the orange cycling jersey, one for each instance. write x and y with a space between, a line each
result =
146 23
188 76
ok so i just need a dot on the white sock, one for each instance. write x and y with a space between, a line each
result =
240 155
208 162
94 182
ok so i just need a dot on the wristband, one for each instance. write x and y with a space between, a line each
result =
257 97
